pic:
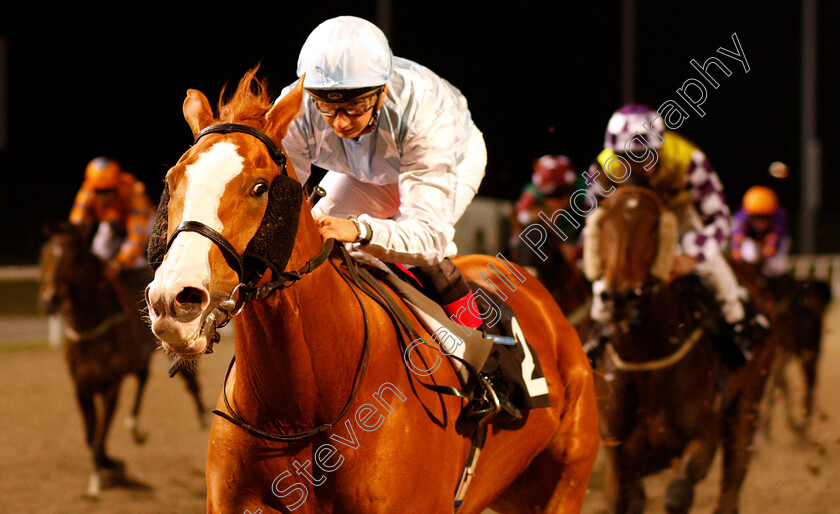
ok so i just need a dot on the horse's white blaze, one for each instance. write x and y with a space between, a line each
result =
187 263
188 259
207 179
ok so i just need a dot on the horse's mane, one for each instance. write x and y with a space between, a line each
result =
249 102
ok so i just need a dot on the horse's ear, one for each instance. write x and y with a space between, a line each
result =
57 226
49 227
197 111
284 111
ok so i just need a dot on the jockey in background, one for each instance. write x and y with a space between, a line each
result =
403 155
759 231
113 207
686 182
553 181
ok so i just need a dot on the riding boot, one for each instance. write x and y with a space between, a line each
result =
745 336
446 284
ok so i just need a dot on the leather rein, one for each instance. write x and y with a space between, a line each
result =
247 291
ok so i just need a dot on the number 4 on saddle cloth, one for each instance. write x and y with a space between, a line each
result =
499 370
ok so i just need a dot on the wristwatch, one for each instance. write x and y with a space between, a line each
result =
363 229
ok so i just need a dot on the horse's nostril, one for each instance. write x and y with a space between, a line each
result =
189 296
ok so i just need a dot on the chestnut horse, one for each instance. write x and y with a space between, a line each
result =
104 343
320 411
666 394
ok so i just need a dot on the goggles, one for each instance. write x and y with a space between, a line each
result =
352 108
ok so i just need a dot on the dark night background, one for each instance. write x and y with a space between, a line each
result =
540 77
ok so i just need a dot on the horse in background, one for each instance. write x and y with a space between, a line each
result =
104 343
798 307
665 393
555 263
313 345
800 343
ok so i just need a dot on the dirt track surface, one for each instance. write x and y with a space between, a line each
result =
45 464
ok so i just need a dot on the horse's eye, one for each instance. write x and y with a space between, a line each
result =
259 189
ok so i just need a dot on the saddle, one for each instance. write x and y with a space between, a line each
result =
697 305
494 360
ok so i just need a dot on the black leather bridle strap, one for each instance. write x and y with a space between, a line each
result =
284 279
232 257
236 418
228 128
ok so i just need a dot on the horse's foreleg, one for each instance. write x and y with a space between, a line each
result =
88 408
109 404
131 422
191 379
809 369
695 463
738 430
775 382
623 484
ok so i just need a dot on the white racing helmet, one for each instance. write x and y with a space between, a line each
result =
345 53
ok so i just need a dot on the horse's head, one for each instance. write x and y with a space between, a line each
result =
65 262
635 241
229 210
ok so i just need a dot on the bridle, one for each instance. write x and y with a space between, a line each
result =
649 288
246 290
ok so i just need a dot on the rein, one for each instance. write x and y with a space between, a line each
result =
247 291
103 327
364 281
237 419
657 364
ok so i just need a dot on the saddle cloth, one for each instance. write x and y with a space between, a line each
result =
514 365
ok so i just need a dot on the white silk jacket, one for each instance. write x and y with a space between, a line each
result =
425 141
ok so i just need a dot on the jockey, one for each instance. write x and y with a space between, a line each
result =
114 204
759 231
679 172
403 155
553 181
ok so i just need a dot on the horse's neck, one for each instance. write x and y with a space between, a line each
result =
653 333
297 350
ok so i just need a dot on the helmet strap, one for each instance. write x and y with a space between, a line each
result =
374 118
